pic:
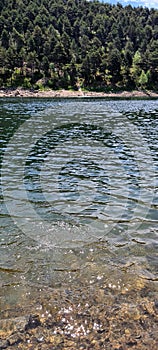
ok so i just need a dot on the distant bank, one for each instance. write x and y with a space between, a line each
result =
68 93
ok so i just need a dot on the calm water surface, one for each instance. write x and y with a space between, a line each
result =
79 197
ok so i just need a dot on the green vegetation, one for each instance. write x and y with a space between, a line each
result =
77 44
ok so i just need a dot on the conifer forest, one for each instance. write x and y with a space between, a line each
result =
78 44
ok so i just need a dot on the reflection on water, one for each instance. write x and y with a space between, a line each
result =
85 177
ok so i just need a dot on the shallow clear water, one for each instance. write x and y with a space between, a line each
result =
79 192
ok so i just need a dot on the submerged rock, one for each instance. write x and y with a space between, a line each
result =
85 318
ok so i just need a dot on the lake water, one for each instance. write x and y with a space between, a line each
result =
79 200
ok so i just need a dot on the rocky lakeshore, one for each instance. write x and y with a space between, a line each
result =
19 92
99 316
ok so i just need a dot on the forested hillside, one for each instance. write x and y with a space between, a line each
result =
77 43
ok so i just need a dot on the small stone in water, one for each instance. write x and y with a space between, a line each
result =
156 303
33 322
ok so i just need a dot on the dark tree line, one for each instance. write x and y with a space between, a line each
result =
77 43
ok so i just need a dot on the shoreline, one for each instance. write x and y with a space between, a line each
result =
110 307
20 92
81 317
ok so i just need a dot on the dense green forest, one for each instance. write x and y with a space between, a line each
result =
77 44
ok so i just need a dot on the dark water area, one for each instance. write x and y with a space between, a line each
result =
79 199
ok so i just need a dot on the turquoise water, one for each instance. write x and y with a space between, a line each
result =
79 191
